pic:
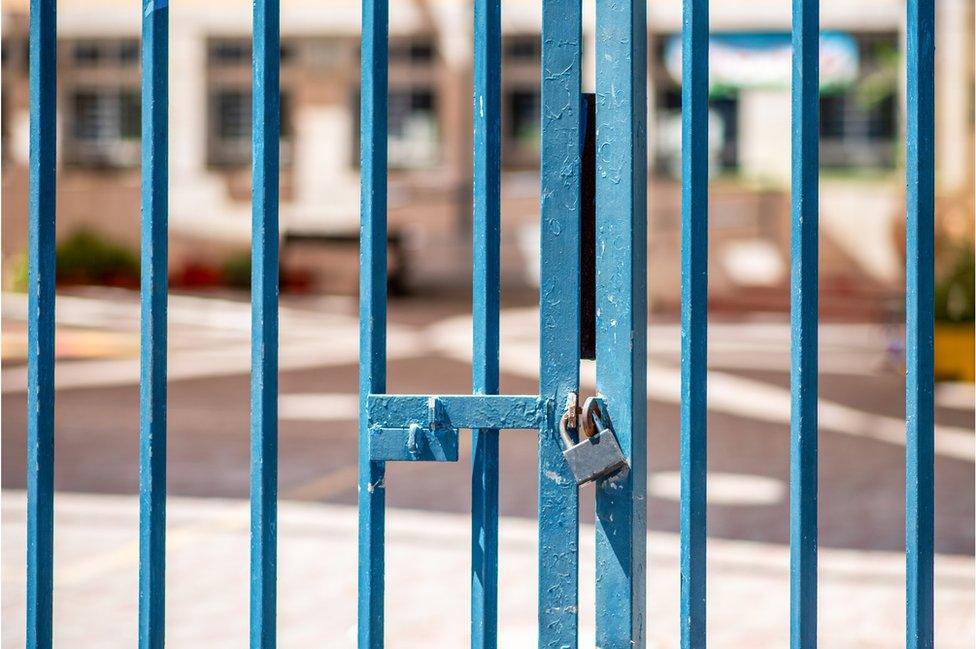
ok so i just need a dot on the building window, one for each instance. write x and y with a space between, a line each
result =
229 102
10 50
413 128
236 52
104 117
414 51
523 48
858 91
524 117
233 115
854 133
723 128
105 53
412 125
101 103
230 127
859 123
521 100
414 138
229 52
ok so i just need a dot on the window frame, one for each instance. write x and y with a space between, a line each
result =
111 74
224 75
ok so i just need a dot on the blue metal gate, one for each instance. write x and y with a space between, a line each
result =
426 427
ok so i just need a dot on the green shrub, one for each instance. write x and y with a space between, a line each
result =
84 257
955 290
17 274
236 270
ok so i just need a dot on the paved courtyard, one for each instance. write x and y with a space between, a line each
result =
428 562
861 477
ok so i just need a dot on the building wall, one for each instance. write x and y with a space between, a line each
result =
429 184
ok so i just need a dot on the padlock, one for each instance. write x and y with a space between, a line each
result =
596 457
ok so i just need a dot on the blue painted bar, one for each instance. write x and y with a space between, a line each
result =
414 443
621 334
694 320
486 229
154 270
559 312
40 322
372 313
458 410
803 324
919 299
264 322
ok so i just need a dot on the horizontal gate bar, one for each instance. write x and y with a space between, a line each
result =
415 443
458 410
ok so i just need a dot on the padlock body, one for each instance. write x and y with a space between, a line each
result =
595 457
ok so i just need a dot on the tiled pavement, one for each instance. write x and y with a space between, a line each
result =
861 600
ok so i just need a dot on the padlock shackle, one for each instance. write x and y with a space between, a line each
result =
592 419
563 432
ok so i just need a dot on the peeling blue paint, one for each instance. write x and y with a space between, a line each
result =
559 316
621 337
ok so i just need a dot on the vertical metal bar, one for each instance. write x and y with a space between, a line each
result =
40 322
486 227
694 320
559 312
372 313
152 384
919 297
264 322
803 322
621 336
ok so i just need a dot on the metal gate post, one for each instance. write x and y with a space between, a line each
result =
621 337
486 231
803 324
264 323
372 315
694 320
919 343
40 322
559 303
153 296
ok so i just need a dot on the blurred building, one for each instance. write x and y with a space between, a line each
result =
430 144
